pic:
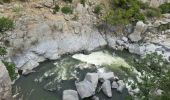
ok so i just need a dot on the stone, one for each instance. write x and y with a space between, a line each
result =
85 89
121 86
114 85
5 84
70 95
95 98
106 76
139 29
93 78
106 88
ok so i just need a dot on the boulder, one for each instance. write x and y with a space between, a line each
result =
106 88
93 78
85 89
106 76
95 98
115 85
70 95
121 85
139 29
5 83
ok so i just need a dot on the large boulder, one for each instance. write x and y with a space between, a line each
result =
139 29
93 78
85 89
106 88
5 83
70 95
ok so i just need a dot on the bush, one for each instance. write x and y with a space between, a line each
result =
11 69
165 8
97 9
5 24
124 12
56 9
66 10
153 12
70 1
3 51
5 1
83 2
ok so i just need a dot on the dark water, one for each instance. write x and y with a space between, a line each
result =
47 84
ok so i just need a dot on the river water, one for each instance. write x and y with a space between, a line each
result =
52 77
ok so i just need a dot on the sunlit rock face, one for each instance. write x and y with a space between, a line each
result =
5 83
155 3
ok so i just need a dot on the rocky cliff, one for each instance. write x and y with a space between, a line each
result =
5 83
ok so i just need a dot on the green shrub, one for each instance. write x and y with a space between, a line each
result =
2 51
11 69
124 12
5 24
67 10
153 12
56 9
70 1
5 1
83 2
165 8
97 9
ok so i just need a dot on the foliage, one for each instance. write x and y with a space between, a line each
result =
11 69
5 1
83 2
56 9
70 1
2 51
124 11
165 8
5 24
153 12
97 9
154 75
67 10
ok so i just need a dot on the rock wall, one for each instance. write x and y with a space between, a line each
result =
5 83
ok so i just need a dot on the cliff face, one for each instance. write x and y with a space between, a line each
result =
5 83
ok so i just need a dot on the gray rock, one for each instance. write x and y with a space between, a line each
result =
95 98
85 89
121 85
70 95
5 84
115 85
106 76
93 78
106 88
139 29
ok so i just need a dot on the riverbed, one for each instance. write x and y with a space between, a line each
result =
52 77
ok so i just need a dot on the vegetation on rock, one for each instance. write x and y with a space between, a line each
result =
66 10
56 9
97 9
11 69
165 8
83 2
5 24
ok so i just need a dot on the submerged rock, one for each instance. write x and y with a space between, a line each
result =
70 95
106 88
85 89
95 98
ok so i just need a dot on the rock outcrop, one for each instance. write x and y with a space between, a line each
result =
5 83
106 88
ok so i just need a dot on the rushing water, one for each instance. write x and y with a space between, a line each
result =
52 77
